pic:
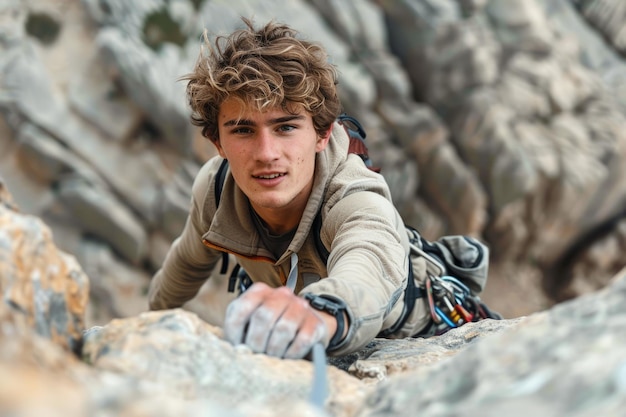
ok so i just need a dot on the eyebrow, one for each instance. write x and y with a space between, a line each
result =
247 122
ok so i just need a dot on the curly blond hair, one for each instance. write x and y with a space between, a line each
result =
264 69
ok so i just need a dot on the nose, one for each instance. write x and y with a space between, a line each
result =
267 146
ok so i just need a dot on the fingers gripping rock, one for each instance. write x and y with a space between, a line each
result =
237 317
262 325
274 321
304 341
281 337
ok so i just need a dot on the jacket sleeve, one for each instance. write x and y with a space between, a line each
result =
368 264
188 263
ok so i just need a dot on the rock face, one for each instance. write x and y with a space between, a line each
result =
35 372
187 358
39 281
502 120
535 368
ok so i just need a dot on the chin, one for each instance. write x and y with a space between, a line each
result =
270 204
265 200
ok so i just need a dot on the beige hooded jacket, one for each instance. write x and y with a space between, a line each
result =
368 263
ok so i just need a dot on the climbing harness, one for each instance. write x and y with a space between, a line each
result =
450 300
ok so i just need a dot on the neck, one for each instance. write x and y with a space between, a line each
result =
278 222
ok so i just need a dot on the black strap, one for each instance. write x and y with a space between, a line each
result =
319 245
334 306
239 280
220 177
411 293
232 280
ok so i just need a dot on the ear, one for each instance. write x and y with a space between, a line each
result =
219 148
322 141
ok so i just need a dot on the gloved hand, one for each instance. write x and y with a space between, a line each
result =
277 322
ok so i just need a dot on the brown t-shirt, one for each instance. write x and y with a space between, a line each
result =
277 244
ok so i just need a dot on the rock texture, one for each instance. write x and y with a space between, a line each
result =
47 286
187 358
535 368
502 120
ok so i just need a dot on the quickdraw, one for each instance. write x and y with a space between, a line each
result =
451 305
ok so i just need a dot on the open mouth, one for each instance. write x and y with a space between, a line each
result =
269 176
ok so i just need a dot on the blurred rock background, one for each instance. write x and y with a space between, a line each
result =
500 119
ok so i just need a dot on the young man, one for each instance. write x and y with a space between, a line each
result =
268 101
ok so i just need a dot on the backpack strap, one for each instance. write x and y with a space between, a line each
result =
357 136
357 146
411 293
319 245
220 177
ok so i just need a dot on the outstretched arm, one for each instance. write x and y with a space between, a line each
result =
187 266
189 262
367 266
